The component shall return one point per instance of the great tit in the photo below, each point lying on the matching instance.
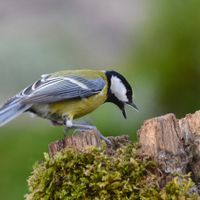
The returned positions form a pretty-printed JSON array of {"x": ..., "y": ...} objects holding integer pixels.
[{"x": 64, "y": 96}]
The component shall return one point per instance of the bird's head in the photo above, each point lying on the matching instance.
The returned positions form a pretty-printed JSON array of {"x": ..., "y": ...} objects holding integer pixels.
[{"x": 119, "y": 91}]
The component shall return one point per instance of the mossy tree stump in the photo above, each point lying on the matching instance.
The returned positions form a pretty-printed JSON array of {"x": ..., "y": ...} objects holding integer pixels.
[
  {"x": 75, "y": 170},
  {"x": 173, "y": 143},
  {"x": 84, "y": 139}
]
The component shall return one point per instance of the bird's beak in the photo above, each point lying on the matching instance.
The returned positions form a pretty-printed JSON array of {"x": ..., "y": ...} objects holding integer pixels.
[
  {"x": 124, "y": 112},
  {"x": 130, "y": 104}
]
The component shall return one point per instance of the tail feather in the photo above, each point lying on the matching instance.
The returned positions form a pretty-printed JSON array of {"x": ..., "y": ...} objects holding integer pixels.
[{"x": 12, "y": 110}]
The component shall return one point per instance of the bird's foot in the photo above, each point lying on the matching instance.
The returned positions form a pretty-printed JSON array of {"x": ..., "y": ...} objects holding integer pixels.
[
  {"x": 83, "y": 127},
  {"x": 105, "y": 139},
  {"x": 79, "y": 130},
  {"x": 101, "y": 136}
]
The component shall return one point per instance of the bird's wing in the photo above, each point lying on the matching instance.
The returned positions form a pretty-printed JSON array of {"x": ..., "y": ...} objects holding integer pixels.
[{"x": 57, "y": 89}]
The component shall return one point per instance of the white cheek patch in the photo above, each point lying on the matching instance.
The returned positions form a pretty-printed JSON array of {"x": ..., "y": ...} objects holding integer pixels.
[{"x": 118, "y": 89}]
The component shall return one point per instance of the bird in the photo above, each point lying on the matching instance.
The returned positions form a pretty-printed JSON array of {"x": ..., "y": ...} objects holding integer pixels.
[{"x": 64, "y": 96}]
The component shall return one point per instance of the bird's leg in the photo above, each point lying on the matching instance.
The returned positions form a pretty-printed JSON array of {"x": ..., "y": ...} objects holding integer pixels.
[
  {"x": 67, "y": 125},
  {"x": 83, "y": 127},
  {"x": 84, "y": 122},
  {"x": 105, "y": 139}
]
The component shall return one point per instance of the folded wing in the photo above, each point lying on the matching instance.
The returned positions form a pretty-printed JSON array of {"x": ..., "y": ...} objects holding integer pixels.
[{"x": 58, "y": 89}]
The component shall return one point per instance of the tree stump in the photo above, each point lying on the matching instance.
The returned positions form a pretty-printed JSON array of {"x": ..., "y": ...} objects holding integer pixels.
[
  {"x": 173, "y": 143},
  {"x": 84, "y": 139}
]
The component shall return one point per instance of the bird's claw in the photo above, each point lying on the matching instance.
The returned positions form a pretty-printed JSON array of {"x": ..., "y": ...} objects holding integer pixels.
[{"x": 80, "y": 130}]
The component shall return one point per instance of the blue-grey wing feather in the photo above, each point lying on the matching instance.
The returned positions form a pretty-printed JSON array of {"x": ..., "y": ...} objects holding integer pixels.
[{"x": 59, "y": 89}]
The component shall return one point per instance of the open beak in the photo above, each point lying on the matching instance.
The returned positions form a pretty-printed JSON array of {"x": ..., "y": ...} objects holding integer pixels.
[
  {"x": 133, "y": 105},
  {"x": 124, "y": 112},
  {"x": 130, "y": 104}
]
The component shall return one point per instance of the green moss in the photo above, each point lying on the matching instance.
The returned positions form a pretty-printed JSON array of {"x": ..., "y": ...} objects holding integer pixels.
[{"x": 91, "y": 174}]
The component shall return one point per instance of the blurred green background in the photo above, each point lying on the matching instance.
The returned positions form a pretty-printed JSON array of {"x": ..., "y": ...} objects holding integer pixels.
[{"x": 154, "y": 44}]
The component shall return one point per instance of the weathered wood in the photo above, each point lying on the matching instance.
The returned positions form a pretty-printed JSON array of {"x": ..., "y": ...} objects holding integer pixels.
[
  {"x": 190, "y": 130},
  {"x": 175, "y": 144},
  {"x": 84, "y": 139},
  {"x": 80, "y": 140}
]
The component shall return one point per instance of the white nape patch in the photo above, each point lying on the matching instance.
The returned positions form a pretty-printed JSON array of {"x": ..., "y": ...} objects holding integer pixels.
[
  {"x": 76, "y": 82},
  {"x": 118, "y": 89}
]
